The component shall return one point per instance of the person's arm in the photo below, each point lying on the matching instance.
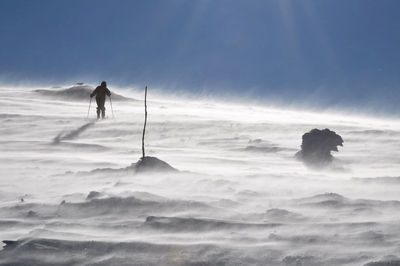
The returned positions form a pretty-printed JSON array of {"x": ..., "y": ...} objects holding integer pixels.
[
  {"x": 108, "y": 92},
  {"x": 93, "y": 93}
]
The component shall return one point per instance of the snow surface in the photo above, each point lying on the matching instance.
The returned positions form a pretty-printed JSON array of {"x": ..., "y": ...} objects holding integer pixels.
[{"x": 68, "y": 195}]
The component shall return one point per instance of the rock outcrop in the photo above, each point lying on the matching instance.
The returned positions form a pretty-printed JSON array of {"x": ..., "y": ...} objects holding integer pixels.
[{"x": 317, "y": 146}]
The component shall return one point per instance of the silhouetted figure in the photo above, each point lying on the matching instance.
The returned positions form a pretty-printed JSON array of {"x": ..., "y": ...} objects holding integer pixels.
[{"x": 101, "y": 92}]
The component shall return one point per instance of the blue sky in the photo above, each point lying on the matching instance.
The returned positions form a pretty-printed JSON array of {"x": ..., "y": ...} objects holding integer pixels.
[{"x": 335, "y": 52}]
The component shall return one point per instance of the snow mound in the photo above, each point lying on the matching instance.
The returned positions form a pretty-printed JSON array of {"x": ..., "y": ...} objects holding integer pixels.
[
  {"x": 198, "y": 224},
  {"x": 384, "y": 263},
  {"x": 77, "y": 93},
  {"x": 144, "y": 165},
  {"x": 282, "y": 215},
  {"x": 334, "y": 200},
  {"x": 152, "y": 164},
  {"x": 49, "y": 252}
]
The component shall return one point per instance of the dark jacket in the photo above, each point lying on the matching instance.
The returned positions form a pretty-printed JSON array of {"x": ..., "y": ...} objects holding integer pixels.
[{"x": 101, "y": 92}]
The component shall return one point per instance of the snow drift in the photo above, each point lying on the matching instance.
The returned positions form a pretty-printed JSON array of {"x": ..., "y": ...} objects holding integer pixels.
[
  {"x": 239, "y": 196},
  {"x": 76, "y": 93}
]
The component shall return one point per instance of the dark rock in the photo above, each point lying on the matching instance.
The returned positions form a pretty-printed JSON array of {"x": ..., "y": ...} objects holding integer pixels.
[
  {"x": 317, "y": 146},
  {"x": 93, "y": 194},
  {"x": 31, "y": 214},
  {"x": 384, "y": 263},
  {"x": 9, "y": 243},
  {"x": 300, "y": 261}
]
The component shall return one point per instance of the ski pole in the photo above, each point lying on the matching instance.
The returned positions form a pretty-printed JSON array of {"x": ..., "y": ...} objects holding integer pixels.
[
  {"x": 90, "y": 102},
  {"x": 112, "y": 110}
]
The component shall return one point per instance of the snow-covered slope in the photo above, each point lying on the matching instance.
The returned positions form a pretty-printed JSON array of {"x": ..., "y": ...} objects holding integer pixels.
[
  {"x": 69, "y": 196},
  {"x": 75, "y": 93}
]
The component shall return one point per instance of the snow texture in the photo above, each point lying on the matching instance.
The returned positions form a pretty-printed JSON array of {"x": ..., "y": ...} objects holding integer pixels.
[{"x": 220, "y": 186}]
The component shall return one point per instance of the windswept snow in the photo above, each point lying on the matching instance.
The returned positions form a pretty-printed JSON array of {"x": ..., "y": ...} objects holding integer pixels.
[{"x": 69, "y": 194}]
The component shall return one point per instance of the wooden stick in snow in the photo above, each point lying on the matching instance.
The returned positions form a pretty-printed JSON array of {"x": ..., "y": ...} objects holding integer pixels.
[{"x": 145, "y": 120}]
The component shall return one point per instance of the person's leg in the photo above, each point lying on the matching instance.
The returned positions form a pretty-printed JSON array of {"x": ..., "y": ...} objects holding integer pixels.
[
  {"x": 98, "y": 101},
  {"x": 102, "y": 108}
]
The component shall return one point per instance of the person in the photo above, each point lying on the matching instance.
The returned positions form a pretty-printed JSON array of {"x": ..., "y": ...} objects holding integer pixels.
[{"x": 101, "y": 92}]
